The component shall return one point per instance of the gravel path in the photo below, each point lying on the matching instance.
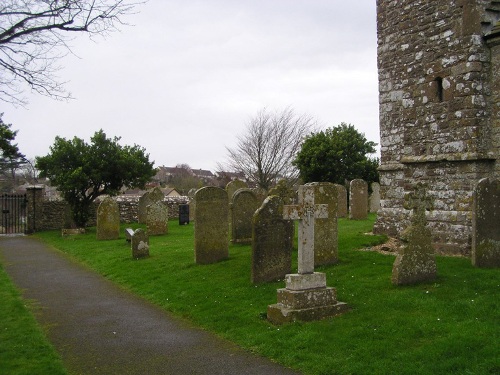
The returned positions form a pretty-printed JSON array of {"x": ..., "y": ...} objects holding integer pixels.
[{"x": 100, "y": 329}]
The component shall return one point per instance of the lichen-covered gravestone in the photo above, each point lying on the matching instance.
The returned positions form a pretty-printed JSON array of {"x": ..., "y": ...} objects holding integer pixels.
[
  {"x": 149, "y": 197},
  {"x": 486, "y": 224},
  {"x": 142, "y": 207},
  {"x": 243, "y": 206},
  {"x": 140, "y": 244},
  {"x": 341, "y": 201},
  {"x": 272, "y": 242},
  {"x": 416, "y": 261},
  {"x": 306, "y": 296},
  {"x": 358, "y": 200},
  {"x": 233, "y": 186},
  {"x": 325, "y": 231},
  {"x": 108, "y": 220},
  {"x": 157, "y": 219},
  {"x": 374, "y": 199},
  {"x": 211, "y": 229},
  {"x": 284, "y": 191}
]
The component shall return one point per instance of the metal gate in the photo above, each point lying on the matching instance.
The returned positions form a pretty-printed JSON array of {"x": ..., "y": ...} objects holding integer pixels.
[{"x": 13, "y": 215}]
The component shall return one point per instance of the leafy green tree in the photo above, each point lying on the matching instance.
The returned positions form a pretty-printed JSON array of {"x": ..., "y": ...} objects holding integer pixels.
[
  {"x": 82, "y": 172},
  {"x": 336, "y": 155},
  {"x": 10, "y": 157}
]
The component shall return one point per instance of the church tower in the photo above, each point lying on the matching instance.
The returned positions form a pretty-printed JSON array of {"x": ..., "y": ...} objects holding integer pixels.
[{"x": 439, "y": 105}]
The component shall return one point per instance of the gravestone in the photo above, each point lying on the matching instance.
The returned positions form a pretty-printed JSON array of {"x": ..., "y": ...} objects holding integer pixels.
[
  {"x": 157, "y": 219},
  {"x": 233, "y": 186},
  {"x": 284, "y": 191},
  {"x": 325, "y": 231},
  {"x": 342, "y": 201},
  {"x": 149, "y": 197},
  {"x": 142, "y": 213},
  {"x": 272, "y": 242},
  {"x": 374, "y": 200},
  {"x": 140, "y": 244},
  {"x": 358, "y": 200},
  {"x": 486, "y": 224},
  {"x": 108, "y": 220},
  {"x": 306, "y": 296},
  {"x": 183, "y": 214},
  {"x": 243, "y": 207},
  {"x": 415, "y": 261},
  {"x": 261, "y": 194},
  {"x": 211, "y": 229}
]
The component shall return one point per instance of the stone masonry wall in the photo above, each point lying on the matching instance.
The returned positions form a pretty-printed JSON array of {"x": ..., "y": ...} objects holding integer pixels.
[
  {"x": 437, "y": 106},
  {"x": 52, "y": 215}
]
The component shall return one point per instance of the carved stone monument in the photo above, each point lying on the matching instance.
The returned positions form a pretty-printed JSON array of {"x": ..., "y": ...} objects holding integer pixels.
[
  {"x": 416, "y": 261},
  {"x": 342, "y": 201},
  {"x": 306, "y": 296},
  {"x": 358, "y": 200},
  {"x": 243, "y": 206},
  {"x": 140, "y": 244},
  {"x": 272, "y": 242},
  {"x": 157, "y": 219},
  {"x": 108, "y": 220},
  {"x": 211, "y": 229},
  {"x": 325, "y": 231}
]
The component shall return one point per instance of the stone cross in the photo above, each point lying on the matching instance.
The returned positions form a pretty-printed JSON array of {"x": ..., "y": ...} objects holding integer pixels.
[
  {"x": 306, "y": 212},
  {"x": 419, "y": 202}
]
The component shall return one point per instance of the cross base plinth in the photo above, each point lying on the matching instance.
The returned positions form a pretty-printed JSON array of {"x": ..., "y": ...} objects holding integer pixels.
[{"x": 305, "y": 304}]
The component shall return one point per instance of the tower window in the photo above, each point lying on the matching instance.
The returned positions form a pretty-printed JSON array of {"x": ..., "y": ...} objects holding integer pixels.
[{"x": 439, "y": 88}]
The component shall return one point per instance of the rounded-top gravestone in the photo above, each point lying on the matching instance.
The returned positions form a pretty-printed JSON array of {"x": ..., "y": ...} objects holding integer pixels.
[{"x": 211, "y": 230}]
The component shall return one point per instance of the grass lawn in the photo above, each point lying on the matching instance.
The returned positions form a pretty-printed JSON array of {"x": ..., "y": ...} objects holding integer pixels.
[
  {"x": 24, "y": 350},
  {"x": 450, "y": 326}
]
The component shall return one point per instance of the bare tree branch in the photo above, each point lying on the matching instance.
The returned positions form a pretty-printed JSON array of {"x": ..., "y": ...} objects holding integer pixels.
[
  {"x": 271, "y": 141},
  {"x": 34, "y": 36}
]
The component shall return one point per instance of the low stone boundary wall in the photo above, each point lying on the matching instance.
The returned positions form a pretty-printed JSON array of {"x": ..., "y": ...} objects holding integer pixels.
[{"x": 51, "y": 213}]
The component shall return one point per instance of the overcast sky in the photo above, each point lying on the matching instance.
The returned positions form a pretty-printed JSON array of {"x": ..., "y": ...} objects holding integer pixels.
[{"x": 184, "y": 80}]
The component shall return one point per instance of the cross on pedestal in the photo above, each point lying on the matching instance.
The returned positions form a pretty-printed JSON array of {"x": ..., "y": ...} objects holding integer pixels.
[{"x": 306, "y": 212}]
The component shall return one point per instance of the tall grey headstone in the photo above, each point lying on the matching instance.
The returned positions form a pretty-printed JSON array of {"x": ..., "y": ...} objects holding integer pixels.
[
  {"x": 149, "y": 197},
  {"x": 108, "y": 220},
  {"x": 306, "y": 296},
  {"x": 374, "y": 200},
  {"x": 342, "y": 200},
  {"x": 243, "y": 207},
  {"x": 157, "y": 219},
  {"x": 358, "y": 200},
  {"x": 211, "y": 229},
  {"x": 272, "y": 242},
  {"x": 142, "y": 208},
  {"x": 486, "y": 224},
  {"x": 325, "y": 231}
]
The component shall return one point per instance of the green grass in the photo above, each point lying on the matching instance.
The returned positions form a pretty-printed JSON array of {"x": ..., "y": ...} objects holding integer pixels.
[
  {"x": 450, "y": 326},
  {"x": 24, "y": 350}
]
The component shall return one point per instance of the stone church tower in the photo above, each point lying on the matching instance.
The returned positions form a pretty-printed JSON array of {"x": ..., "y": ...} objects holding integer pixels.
[{"x": 439, "y": 84}]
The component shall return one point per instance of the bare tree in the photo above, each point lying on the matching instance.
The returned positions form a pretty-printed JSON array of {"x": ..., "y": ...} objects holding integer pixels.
[
  {"x": 34, "y": 35},
  {"x": 271, "y": 141}
]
